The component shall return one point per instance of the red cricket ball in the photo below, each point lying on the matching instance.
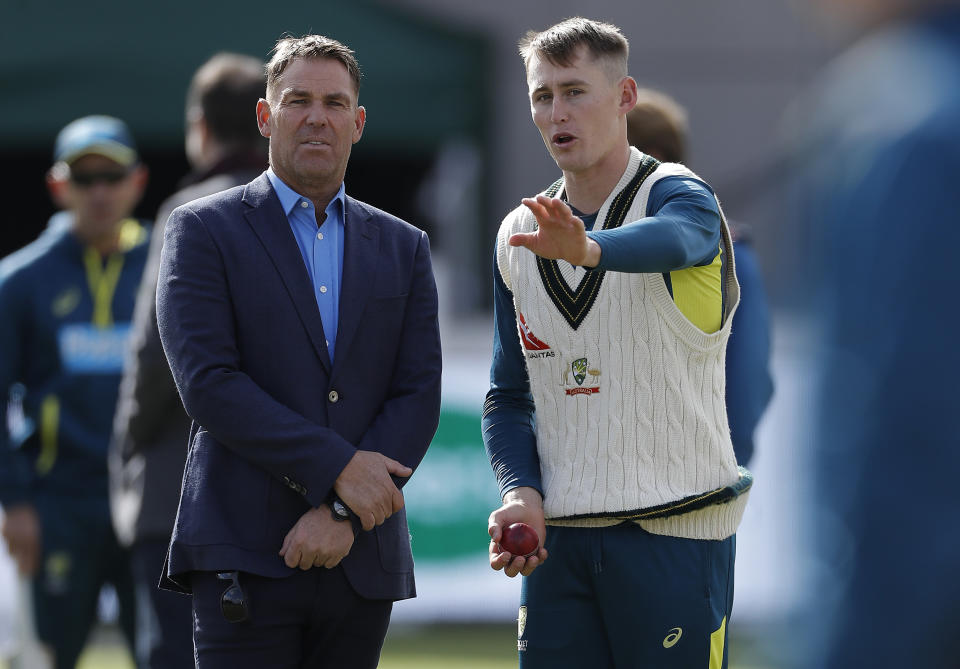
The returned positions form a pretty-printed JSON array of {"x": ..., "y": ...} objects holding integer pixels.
[{"x": 520, "y": 539}]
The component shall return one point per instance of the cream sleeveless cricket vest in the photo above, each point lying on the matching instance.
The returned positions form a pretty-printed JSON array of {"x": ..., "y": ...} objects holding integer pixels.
[{"x": 629, "y": 394}]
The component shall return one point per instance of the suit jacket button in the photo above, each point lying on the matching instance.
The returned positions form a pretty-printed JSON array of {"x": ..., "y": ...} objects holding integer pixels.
[{"x": 333, "y": 396}]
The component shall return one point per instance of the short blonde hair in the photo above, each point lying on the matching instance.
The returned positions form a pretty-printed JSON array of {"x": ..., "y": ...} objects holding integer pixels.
[{"x": 560, "y": 43}]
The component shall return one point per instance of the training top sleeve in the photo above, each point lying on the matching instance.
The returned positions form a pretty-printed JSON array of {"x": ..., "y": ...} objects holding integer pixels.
[
  {"x": 507, "y": 423},
  {"x": 14, "y": 473},
  {"x": 682, "y": 230}
]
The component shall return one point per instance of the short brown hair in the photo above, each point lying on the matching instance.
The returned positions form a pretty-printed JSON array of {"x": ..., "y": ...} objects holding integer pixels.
[
  {"x": 559, "y": 43},
  {"x": 225, "y": 91},
  {"x": 289, "y": 49},
  {"x": 657, "y": 125}
]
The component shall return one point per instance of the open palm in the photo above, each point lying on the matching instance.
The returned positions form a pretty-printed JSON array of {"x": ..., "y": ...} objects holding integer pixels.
[{"x": 559, "y": 236}]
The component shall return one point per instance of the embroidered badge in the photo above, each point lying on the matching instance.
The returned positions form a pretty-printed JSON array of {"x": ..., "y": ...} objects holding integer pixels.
[{"x": 580, "y": 368}]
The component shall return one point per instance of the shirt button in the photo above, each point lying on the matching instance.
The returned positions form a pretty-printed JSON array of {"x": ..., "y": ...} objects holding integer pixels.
[
  {"x": 323, "y": 289},
  {"x": 333, "y": 396},
  {"x": 304, "y": 204},
  {"x": 319, "y": 235}
]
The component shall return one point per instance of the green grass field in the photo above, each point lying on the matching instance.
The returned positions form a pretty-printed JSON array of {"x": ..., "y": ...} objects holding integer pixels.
[
  {"x": 406, "y": 647},
  {"x": 477, "y": 646}
]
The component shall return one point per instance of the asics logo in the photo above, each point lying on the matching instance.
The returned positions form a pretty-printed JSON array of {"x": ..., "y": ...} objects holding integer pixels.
[{"x": 673, "y": 637}]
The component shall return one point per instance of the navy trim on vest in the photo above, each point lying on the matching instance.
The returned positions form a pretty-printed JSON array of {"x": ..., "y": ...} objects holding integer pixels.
[
  {"x": 576, "y": 304},
  {"x": 721, "y": 495}
]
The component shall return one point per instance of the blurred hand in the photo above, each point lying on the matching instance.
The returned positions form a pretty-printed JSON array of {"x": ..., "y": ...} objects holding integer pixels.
[
  {"x": 520, "y": 505},
  {"x": 366, "y": 488},
  {"x": 21, "y": 531},
  {"x": 317, "y": 540},
  {"x": 560, "y": 234}
]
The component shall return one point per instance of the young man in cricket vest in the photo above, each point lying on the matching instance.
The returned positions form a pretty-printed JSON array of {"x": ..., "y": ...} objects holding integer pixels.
[{"x": 605, "y": 422}]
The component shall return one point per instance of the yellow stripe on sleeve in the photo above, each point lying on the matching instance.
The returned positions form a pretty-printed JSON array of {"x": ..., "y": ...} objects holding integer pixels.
[{"x": 49, "y": 426}]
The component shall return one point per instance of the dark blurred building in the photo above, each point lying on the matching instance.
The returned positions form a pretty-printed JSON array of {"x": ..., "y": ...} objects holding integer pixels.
[{"x": 424, "y": 87}]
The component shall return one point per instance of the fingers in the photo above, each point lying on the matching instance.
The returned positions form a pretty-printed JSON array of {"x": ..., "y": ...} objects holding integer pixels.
[
  {"x": 397, "y": 499},
  {"x": 525, "y": 239},
  {"x": 533, "y": 562},
  {"x": 397, "y": 468},
  {"x": 367, "y": 520},
  {"x": 547, "y": 208},
  {"x": 331, "y": 561},
  {"x": 494, "y": 530},
  {"x": 513, "y": 565},
  {"x": 498, "y": 559},
  {"x": 292, "y": 557}
]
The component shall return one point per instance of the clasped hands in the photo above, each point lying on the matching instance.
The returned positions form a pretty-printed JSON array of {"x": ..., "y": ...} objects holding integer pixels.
[
  {"x": 559, "y": 236},
  {"x": 366, "y": 487}
]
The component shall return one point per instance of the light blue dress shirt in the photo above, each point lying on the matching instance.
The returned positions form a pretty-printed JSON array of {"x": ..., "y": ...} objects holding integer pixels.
[{"x": 321, "y": 248}]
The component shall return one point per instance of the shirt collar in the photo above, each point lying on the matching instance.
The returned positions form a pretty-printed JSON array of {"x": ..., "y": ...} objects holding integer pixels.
[{"x": 289, "y": 197}]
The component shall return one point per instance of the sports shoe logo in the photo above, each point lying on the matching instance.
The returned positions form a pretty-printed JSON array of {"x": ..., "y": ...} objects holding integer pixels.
[
  {"x": 673, "y": 637},
  {"x": 530, "y": 341}
]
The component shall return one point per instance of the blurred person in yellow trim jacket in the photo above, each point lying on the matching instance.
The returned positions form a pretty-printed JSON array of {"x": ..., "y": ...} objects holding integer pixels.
[{"x": 66, "y": 301}]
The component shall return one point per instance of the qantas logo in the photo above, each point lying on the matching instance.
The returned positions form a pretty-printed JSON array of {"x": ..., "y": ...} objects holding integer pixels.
[{"x": 530, "y": 341}]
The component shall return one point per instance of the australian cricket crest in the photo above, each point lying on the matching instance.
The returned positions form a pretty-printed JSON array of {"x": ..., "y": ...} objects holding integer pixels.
[{"x": 580, "y": 369}]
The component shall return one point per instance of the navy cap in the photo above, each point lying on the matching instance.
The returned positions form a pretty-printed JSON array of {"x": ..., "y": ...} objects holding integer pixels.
[{"x": 102, "y": 135}]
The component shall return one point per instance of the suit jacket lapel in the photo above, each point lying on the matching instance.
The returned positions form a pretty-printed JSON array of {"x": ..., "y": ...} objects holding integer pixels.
[
  {"x": 269, "y": 223},
  {"x": 360, "y": 246}
]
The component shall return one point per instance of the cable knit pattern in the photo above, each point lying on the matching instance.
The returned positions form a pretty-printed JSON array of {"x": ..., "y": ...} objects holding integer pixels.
[{"x": 630, "y": 410}]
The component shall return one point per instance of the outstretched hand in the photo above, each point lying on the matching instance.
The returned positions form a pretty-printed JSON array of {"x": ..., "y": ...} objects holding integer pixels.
[{"x": 559, "y": 236}]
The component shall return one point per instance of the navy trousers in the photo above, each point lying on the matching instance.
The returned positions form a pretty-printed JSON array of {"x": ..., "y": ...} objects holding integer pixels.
[
  {"x": 80, "y": 554},
  {"x": 310, "y": 620},
  {"x": 622, "y": 597},
  {"x": 164, "y": 618}
]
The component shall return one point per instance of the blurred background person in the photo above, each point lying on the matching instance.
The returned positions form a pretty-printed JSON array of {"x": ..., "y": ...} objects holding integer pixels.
[
  {"x": 658, "y": 126},
  {"x": 65, "y": 305},
  {"x": 225, "y": 149},
  {"x": 877, "y": 164}
]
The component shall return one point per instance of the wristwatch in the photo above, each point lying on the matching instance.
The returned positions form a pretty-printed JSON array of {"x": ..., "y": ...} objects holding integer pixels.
[{"x": 339, "y": 510}]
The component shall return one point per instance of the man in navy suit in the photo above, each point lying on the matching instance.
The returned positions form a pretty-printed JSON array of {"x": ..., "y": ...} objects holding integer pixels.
[{"x": 301, "y": 329}]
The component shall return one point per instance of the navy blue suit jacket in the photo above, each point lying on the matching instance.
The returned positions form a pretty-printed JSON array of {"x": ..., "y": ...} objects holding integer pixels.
[{"x": 274, "y": 422}]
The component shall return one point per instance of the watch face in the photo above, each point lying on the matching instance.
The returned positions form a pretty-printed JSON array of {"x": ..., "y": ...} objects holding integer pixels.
[{"x": 340, "y": 510}]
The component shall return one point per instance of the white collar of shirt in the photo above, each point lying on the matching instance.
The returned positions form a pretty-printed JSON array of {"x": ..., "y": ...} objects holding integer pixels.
[{"x": 289, "y": 197}]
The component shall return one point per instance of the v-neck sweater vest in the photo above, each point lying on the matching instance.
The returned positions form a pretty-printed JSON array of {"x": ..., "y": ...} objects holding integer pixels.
[{"x": 629, "y": 394}]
